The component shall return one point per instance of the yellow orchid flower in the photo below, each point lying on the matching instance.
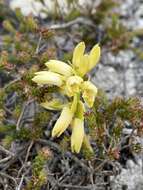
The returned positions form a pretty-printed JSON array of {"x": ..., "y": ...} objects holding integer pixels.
[
  {"x": 73, "y": 85},
  {"x": 77, "y": 135},
  {"x": 54, "y": 104},
  {"x": 89, "y": 93},
  {"x": 94, "y": 56},
  {"x": 69, "y": 79},
  {"x": 48, "y": 77},
  {"x": 63, "y": 122},
  {"x": 77, "y": 54},
  {"x": 59, "y": 67},
  {"x": 65, "y": 118},
  {"x": 78, "y": 128},
  {"x": 83, "y": 63}
]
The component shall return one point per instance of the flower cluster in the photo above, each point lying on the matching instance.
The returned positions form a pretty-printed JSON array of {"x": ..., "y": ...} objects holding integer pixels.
[{"x": 70, "y": 80}]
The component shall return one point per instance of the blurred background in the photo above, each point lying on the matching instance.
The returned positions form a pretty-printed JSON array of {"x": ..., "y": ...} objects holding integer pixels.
[
  {"x": 117, "y": 25},
  {"x": 121, "y": 72}
]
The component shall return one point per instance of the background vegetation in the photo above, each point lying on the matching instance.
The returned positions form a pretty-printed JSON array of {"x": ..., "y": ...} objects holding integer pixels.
[{"x": 29, "y": 158}]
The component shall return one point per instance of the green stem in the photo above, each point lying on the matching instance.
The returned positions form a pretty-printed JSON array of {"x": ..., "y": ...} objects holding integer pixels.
[{"x": 76, "y": 99}]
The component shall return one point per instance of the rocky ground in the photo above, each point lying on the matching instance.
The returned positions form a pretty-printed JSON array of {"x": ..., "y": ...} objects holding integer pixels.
[{"x": 120, "y": 74}]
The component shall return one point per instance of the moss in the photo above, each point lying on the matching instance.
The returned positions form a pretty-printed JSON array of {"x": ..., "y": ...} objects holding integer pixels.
[
  {"x": 8, "y": 26},
  {"x": 39, "y": 175},
  {"x": 6, "y": 142},
  {"x": 107, "y": 119},
  {"x": 38, "y": 164},
  {"x": 17, "y": 111},
  {"x": 65, "y": 144},
  {"x": 2, "y": 97}
]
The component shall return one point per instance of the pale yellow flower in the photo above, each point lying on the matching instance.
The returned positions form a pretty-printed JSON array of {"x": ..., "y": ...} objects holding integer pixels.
[
  {"x": 94, "y": 56},
  {"x": 69, "y": 79},
  {"x": 78, "y": 54},
  {"x": 73, "y": 85},
  {"x": 54, "y": 104},
  {"x": 48, "y": 77},
  {"x": 89, "y": 93},
  {"x": 59, "y": 67},
  {"x": 77, "y": 135},
  {"x": 83, "y": 63},
  {"x": 63, "y": 122}
]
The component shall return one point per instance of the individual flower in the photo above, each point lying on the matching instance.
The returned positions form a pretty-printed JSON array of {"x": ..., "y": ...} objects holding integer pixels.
[
  {"x": 83, "y": 63},
  {"x": 63, "y": 122},
  {"x": 78, "y": 54},
  {"x": 78, "y": 128},
  {"x": 48, "y": 77},
  {"x": 89, "y": 93},
  {"x": 59, "y": 67},
  {"x": 94, "y": 57},
  {"x": 77, "y": 135},
  {"x": 54, "y": 104}
]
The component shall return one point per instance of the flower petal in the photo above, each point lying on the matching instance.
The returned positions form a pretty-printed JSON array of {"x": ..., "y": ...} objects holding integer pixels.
[
  {"x": 89, "y": 93},
  {"x": 59, "y": 67},
  {"x": 94, "y": 56},
  {"x": 83, "y": 65},
  {"x": 47, "y": 77},
  {"x": 63, "y": 122},
  {"x": 77, "y": 54},
  {"x": 54, "y": 104},
  {"x": 77, "y": 135}
]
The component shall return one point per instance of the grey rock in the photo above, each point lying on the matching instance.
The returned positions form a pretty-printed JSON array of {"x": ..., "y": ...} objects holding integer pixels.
[
  {"x": 116, "y": 74},
  {"x": 131, "y": 177},
  {"x": 108, "y": 79}
]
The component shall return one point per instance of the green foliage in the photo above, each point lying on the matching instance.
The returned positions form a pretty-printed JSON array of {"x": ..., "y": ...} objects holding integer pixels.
[
  {"x": 37, "y": 181},
  {"x": 65, "y": 143},
  {"x": 2, "y": 97},
  {"x": 107, "y": 120},
  {"x": 104, "y": 10},
  {"x": 39, "y": 175},
  {"x": 31, "y": 133}
]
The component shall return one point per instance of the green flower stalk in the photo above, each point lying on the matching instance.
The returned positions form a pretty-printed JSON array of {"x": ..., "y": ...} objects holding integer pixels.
[{"x": 70, "y": 80}]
